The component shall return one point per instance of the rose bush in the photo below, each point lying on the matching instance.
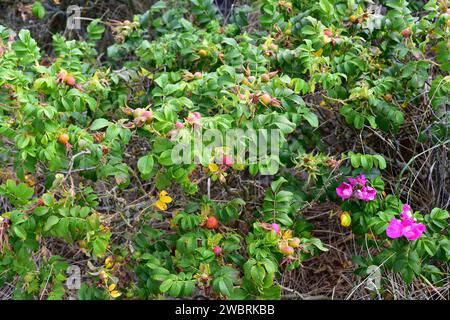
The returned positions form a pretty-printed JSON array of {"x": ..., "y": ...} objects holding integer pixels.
[{"x": 87, "y": 147}]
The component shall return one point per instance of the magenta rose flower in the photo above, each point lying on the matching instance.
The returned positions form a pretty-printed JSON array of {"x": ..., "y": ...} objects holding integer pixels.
[
  {"x": 194, "y": 118},
  {"x": 276, "y": 228},
  {"x": 179, "y": 125},
  {"x": 413, "y": 231},
  {"x": 344, "y": 191},
  {"x": 394, "y": 229},
  {"x": 407, "y": 226},
  {"x": 361, "y": 180},
  {"x": 366, "y": 194}
]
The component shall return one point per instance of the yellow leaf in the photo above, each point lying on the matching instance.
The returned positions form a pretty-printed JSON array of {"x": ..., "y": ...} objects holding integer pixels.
[
  {"x": 115, "y": 294},
  {"x": 111, "y": 287},
  {"x": 161, "y": 205},
  {"x": 163, "y": 193},
  {"x": 109, "y": 262},
  {"x": 164, "y": 197},
  {"x": 318, "y": 53},
  {"x": 287, "y": 234},
  {"x": 213, "y": 167}
]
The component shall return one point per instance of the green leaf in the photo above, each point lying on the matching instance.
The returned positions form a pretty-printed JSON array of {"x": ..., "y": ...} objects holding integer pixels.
[
  {"x": 165, "y": 286},
  {"x": 95, "y": 30},
  {"x": 145, "y": 164},
  {"x": 355, "y": 160},
  {"x": 381, "y": 161},
  {"x": 51, "y": 221},
  {"x": 99, "y": 124},
  {"x": 276, "y": 185},
  {"x": 40, "y": 211},
  {"x": 99, "y": 246},
  {"x": 38, "y": 10},
  {"x": 358, "y": 122},
  {"x": 223, "y": 287},
  {"x": 175, "y": 289},
  {"x": 366, "y": 162},
  {"x": 312, "y": 119},
  {"x": 166, "y": 158},
  {"x": 439, "y": 214},
  {"x": 20, "y": 232},
  {"x": 326, "y": 7}
]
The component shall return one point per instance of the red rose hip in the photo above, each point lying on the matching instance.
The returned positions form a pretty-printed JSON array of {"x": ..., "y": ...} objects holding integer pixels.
[{"x": 212, "y": 223}]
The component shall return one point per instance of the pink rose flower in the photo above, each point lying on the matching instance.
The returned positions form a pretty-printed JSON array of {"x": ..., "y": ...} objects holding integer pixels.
[
  {"x": 366, "y": 194},
  {"x": 406, "y": 214},
  {"x": 217, "y": 251},
  {"x": 179, "y": 125},
  {"x": 173, "y": 133},
  {"x": 276, "y": 228},
  {"x": 394, "y": 229},
  {"x": 194, "y": 118},
  {"x": 197, "y": 115},
  {"x": 406, "y": 227},
  {"x": 361, "y": 180},
  {"x": 228, "y": 161},
  {"x": 344, "y": 191},
  {"x": 413, "y": 231},
  {"x": 406, "y": 208}
]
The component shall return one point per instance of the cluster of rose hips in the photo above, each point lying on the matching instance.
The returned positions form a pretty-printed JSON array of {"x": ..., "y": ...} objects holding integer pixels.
[
  {"x": 328, "y": 37},
  {"x": 267, "y": 100},
  {"x": 287, "y": 243},
  {"x": 212, "y": 223},
  {"x": 265, "y": 77},
  {"x": 204, "y": 53},
  {"x": 262, "y": 97},
  {"x": 287, "y": 246},
  {"x": 269, "y": 49},
  {"x": 141, "y": 116},
  {"x": 189, "y": 76},
  {"x": 193, "y": 119}
]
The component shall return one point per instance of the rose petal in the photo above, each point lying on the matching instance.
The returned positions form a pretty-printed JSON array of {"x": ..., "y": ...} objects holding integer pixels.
[{"x": 394, "y": 229}]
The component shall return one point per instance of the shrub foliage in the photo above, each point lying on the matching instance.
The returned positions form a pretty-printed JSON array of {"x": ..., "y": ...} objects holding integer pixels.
[{"x": 87, "y": 137}]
